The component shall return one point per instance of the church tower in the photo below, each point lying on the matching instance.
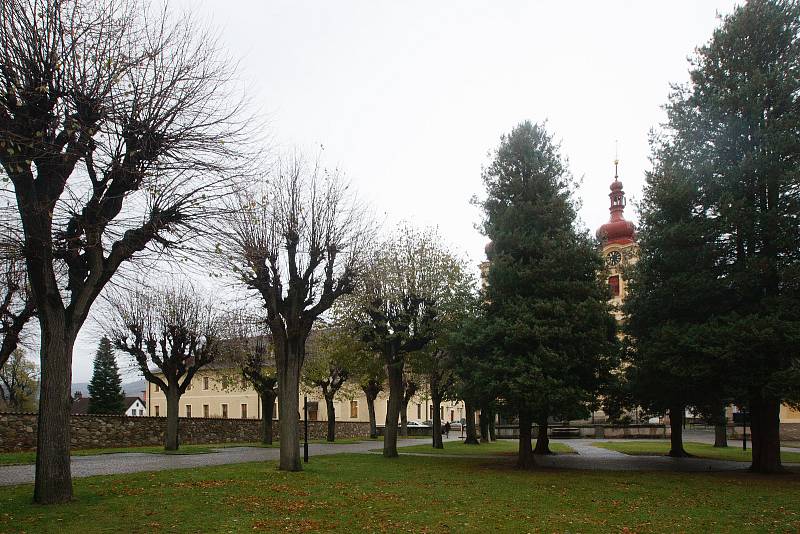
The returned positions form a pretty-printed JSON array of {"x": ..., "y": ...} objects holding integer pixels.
[{"x": 617, "y": 239}]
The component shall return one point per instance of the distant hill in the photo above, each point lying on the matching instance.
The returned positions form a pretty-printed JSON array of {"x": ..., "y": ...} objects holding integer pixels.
[
  {"x": 131, "y": 389},
  {"x": 135, "y": 388}
]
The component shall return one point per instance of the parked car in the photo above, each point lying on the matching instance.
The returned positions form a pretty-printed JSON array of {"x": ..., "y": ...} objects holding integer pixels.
[
  {"x": 455, "y": 425},
  {"x": 417, "y": 424}
]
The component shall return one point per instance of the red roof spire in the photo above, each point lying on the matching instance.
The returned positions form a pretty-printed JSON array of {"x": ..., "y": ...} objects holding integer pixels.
[{"x": 617, "y": 229}]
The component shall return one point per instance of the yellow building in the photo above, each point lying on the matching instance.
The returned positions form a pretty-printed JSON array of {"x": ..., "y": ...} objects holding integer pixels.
[{"x": 213, "y": 393}]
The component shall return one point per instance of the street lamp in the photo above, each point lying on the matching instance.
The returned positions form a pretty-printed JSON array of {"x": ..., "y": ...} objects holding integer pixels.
[{"x": 305, "y": 429}]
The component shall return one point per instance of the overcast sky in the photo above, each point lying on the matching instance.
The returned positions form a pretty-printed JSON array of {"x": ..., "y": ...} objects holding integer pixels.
[{"x": 408, "y": 97}]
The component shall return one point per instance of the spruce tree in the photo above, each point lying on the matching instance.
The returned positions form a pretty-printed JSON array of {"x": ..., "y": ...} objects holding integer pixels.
[
  {"x": 665, "y": 306},
  {"x": 547, "y": 334},
  {"x": 105, "y": 387},
  {"x": 734, "y": 130}
]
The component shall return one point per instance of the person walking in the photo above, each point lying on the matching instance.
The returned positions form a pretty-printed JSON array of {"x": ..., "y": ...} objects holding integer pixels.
[{"x": 447, "y": 429}]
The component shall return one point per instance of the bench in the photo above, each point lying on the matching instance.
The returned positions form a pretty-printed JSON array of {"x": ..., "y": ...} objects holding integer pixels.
[{"x": 565, "y": 432}]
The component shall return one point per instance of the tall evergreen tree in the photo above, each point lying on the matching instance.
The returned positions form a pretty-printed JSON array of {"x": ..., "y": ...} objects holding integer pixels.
[
  {"x": 666, "y": 312},
  {"x": 734, "y": 128},
  {"x": 105, "y": 388},
  {"x": 548, "y": 336}
]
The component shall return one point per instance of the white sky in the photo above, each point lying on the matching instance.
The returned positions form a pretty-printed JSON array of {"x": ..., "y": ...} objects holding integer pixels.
[{"x": 408, "y": 97}]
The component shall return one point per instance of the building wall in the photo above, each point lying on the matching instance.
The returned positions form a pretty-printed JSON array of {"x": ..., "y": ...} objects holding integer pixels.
[
  {"x": 207, "y": 390},
  {"x": 18, "y": 431},
  {"x": 789, "y": 415}
]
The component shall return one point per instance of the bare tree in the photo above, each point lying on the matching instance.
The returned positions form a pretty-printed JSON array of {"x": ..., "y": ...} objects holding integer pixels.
[
  {"x": 396, "y": 306},
  {"x": 410, "y": 388},
  {"x": 367, "y": 372},
  {"x": 299, "y": 242},
  {"x": 174, "y": 330},
  {"x": 333, "y": 353},
  {"x": 16, "y": 302},
  {"x": 19, "y": 380},
  {"x": 246, "y": 352},
  {"x": 118, "y": 135}
]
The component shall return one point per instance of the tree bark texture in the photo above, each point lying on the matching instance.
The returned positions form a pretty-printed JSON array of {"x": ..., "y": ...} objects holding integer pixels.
[
  {"x": 543, "y": 440},
  {"x": 394, "y": 374},
  {"x": 483, "y": 419},
  {"x": 53, "y": 475},
  {"x": 331, "y": 407},
  {"x": 403, "y": 417},
  {"x": 472, "y": 432},
  {"x": 289, "y": 406},
  {"x": 676, "y": 449},
  {"x": 525, "y": 458},
  {"x": 173, "y": 405},
  {"x": 373, "y": 426},
  {"x": 765, "y": 430},
  {"x": 267, "y": 403},
  {"x": 721, "y": 435},
  {"x": 437, "y": 423},
  {"x": 721, "y": 429}
]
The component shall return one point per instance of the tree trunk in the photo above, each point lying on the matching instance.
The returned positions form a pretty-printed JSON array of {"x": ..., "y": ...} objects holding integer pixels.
[
  {"x": 484, "y": 422},
  {"x": 765, "y": 431},
  {"x": 173, "y": 405},
  {"x": 721, "y": 429},
  {"x": 492, "y": 432},
  {"x": 53, "y": 475},
  {"x": 676, "y": 449},
  {"x": 721, "y": 435},
  {"x": 289, "y": 408},
  {"x": 373, "y": 427},
  {"x": 472, "y": 433},
  {"x": 437, "y": 422},
  {"x": 543, "y": 441},
  {"x": 403, "y": 417},
  {"x": 394, "y": 373},
  {"x": 267, "y": 404},
  {"x": 525, "y": 458},
  {"x": 329, "y": 405}
]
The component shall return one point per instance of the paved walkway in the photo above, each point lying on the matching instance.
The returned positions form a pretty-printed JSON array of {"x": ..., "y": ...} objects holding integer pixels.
[
  {"x": 588, "y": 457},
  {"x": 134, "y": 462}
]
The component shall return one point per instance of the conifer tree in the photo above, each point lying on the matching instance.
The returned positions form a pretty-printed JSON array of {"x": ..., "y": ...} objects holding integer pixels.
[
  {"x": 733, "y": 129},
  {"x": 666, "y": 312},
  {"x": 547, "y": 334},
  {"x": 105, "y": 388}
]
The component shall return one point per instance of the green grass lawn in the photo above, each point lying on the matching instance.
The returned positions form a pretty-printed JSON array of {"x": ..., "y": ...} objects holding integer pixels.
[
  {"x": 500, "y": 447},
  {"x": 368, "y": 493},
  {"x": 701, "y": 450}
]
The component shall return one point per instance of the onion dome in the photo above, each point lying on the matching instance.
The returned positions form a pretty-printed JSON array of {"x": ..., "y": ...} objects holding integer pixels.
[{"x": 617, "y": 230}]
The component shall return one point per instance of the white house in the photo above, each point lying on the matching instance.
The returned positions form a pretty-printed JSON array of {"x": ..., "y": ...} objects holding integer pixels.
[{"x": 135, "y": 407}]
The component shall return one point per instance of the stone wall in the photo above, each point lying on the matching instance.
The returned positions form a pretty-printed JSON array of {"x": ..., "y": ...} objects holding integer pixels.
[
  {"x": 595, "y": 431},
  {"x": 18, "y": 431},
  {"x": 789, "y": 432}
]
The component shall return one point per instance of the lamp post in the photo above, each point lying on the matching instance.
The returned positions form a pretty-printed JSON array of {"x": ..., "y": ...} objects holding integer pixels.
[
  {"x": 744, "y": 430},
  {"x": 305, "y": 429}
]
